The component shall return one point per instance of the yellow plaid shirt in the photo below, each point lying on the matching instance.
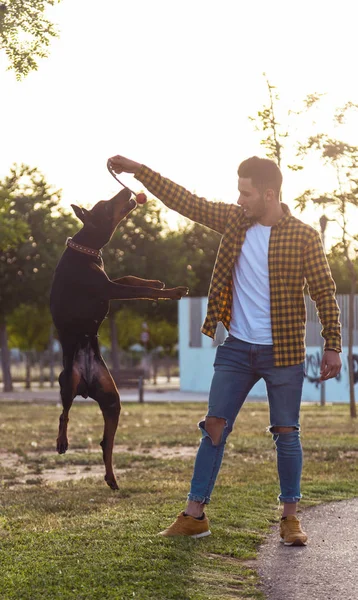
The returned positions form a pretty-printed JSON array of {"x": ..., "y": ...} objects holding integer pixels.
[{"x": 296, "y": 257}]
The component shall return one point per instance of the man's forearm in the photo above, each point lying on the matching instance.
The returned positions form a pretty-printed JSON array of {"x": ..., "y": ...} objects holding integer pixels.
[
  {"x": 328, "y": 314},
  {"x": 212, "y": 214},
  {"x": 322, "y": 290},
  {"x": 176, "y": 197}
]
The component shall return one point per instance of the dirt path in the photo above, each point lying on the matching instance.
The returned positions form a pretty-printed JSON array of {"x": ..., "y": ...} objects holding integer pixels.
[{"x": 28, "y": 470}]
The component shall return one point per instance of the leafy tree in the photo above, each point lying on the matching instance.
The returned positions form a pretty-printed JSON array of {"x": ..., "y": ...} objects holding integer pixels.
[
  {"x": 26, "y": 269},
  {"x": 128, "y": 329},
  {"x": 339, "y": 268},
  {"x": 342, "y": 158},
  {"x": 273, "y": 133},
  {"x": 274, "y": 136},
  {"x": 266, "y": 123},
  {"x": 29, "y": 329},
  {"x": 25, "y": 33},
  {"x": 197, "y": 248},
  {"x": 143, "y": 246},
  {"x": 133, "y": 250},
  {"x": 13, "y": 229}
]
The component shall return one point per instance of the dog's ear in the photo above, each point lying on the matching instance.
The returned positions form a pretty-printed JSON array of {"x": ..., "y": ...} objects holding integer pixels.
[
  {"x": 78, "y": 212},
  {"x": 82, "y": 213}
]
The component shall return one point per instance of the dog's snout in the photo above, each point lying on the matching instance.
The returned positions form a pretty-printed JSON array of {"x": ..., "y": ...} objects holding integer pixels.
[
  {"x": 128, "y": 192},
  {"x": 122, "y": 196}
]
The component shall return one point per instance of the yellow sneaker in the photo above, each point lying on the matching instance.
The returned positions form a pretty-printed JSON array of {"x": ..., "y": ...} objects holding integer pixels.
[
  {"x": 291, "y": 532},
  {"x": 187, "y": 525}
]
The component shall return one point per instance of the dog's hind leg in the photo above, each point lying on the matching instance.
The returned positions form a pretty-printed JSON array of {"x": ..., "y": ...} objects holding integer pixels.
[
  {"x": 110, "y": 410},
  {"x": 104, "y": 391},
  {"x": 68, "y": 382}
]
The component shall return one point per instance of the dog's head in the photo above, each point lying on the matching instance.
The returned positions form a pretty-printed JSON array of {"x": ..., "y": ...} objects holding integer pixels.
[{"x": 102, "y": 220}]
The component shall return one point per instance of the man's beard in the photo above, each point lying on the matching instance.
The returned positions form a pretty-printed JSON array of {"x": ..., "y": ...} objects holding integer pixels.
[{"x": 260, "y": 208}]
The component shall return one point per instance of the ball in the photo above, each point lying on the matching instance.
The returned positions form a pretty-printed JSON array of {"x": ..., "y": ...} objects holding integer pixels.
[{"x": 141, "y": 198}]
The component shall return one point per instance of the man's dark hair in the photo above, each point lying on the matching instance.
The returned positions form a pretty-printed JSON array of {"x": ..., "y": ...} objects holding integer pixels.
[{"x": 263, "y": 172}]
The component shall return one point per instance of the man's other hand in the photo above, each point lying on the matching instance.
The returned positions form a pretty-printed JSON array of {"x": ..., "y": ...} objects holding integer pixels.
[
  {"x": 331, "y": 365},
  {"x": 120, "y": 164}
]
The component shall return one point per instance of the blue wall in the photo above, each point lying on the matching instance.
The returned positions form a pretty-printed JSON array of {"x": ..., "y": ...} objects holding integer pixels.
[{"x": 196, "y": 364}]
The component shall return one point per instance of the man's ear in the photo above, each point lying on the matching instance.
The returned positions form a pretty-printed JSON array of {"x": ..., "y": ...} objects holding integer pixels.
[
  {"x": 82, "y": 213},
  {"x": 269, "y": 194}
]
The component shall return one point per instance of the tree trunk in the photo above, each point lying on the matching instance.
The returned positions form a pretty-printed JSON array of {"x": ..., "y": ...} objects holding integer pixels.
[
  {"x": 52, "y": 358},
  {"x": 352, "y": 402},
  {"x": 5, "y": 359},
  {"x": 41, "y": 370},
  {"x": 114, "y": 347},
  {"x": 28, "y": 371},
  {"x": 167, "y": 367},
  {"x": 155, "y": 365}
]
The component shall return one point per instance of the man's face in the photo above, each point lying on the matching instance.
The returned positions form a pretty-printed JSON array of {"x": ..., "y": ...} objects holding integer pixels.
[{"x": 251, "y": 199}]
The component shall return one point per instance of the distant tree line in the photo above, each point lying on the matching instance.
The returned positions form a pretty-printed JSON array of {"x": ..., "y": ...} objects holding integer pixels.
[{"x": 33, "y": 229}]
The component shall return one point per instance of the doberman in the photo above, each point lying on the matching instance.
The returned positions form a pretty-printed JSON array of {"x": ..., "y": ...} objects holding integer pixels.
[{"x": 80, "y": 296}]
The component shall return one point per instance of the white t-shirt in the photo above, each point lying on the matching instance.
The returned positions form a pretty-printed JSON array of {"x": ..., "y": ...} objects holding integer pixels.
[{"x": 251, "y": 307}]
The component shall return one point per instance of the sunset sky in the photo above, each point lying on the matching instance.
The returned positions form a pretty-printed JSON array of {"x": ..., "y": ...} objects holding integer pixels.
[{"x": 171, "y": 84}]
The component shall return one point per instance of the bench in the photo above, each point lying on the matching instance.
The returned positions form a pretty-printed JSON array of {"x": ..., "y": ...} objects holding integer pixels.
[{"x": 132, "y": 378}]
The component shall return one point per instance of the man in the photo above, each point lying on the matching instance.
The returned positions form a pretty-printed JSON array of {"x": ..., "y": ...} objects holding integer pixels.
[{"x": 265, "y": 258}]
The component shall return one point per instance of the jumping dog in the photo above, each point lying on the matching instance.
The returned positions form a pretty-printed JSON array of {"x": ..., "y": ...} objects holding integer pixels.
[{"x": 80, "y": 296}]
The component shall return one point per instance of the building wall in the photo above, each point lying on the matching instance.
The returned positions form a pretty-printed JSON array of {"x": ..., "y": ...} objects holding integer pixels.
[{"x": 197, "y": 352}]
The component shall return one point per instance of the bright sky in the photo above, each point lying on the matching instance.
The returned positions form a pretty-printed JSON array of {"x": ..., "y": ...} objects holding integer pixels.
[{"x": 171, "y": 84}]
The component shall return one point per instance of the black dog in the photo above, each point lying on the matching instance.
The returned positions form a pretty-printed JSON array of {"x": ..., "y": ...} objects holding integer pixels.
[{"x": 79, "y": 302}]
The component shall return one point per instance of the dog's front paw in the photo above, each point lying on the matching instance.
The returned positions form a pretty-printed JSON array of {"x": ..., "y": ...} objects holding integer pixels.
[
  {"x": 179, "y": 292},
  {"x": 158, "y": 285}
]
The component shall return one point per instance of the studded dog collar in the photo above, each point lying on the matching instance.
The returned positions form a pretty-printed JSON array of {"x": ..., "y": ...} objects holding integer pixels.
[{"x": 83, "y": 249}]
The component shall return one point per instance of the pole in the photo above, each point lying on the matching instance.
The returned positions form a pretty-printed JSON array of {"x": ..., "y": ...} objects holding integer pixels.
[{"x": 323, "y": 224}]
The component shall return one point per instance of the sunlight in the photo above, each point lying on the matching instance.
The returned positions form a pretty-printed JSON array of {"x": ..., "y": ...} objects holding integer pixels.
[{"x": 172, "y": 85}]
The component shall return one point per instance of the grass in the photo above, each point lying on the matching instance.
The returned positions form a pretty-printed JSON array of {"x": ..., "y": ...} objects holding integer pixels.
[{"x": 76, "y": 539}]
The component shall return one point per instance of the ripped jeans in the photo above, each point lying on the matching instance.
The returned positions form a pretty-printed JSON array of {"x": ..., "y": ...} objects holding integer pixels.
[{"x": 238, "y": 366}]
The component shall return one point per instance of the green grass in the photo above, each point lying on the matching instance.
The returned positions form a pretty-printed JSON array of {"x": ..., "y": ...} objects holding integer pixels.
[{"x": 78, "y": 540}]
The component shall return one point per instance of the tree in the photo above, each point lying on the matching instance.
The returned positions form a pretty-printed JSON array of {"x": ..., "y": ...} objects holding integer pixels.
[
  {"x": 272, "y": 132},
  {"x": 128, "y": 327},
  {"x": 145, "y": 247},
  {"x": 13, "y": 229},
  {"x": 342, "y": 158},
  {"x": 25, "y": 33},
  {"x": 26, "y": 268},
  {"x": 128, "y": 332},
  {"x": 266, "y": 122},
  {"x": 133, "y": 250},
  {"x": 339, "y": 268},
  {"x": 29, "y": 330}
]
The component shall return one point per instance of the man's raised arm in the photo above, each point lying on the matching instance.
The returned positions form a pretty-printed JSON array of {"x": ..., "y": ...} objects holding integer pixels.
[{"x": 211, "y": 214}]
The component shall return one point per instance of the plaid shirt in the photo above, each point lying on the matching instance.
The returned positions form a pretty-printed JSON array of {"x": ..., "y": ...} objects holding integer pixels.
[{"x": 296, "y": 257}]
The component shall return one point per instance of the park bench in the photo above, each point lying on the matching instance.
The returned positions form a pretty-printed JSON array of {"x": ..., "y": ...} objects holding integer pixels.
[{"x": 132, "y": 378}]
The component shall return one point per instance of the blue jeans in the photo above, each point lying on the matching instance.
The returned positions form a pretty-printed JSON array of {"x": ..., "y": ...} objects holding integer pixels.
[{"x": 238, "y": 366}]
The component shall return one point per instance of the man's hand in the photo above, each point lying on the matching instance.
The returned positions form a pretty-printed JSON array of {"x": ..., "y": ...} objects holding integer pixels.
[
  {"x": 120, "y": 164},
  {"x": 331, "y": 365}
]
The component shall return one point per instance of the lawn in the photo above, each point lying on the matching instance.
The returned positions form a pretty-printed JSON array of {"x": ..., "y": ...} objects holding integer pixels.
[{"x": 65, "y": 535}]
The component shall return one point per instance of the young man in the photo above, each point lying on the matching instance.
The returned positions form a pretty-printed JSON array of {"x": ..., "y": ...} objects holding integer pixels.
[{"x": 265, "y": 258}]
